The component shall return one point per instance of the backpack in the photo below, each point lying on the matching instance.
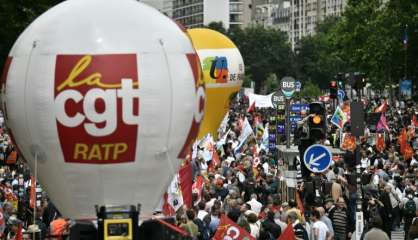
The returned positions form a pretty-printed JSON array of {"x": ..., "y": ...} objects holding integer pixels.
[{"x": 410, "y": 208}]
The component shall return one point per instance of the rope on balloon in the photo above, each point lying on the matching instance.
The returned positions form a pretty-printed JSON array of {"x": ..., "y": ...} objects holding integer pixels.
[{"x": 170, "y": 84}]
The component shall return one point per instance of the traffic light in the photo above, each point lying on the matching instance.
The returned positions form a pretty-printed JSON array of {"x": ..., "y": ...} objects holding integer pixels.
[
  {"x": 340, "y": 81},
  {"x": 317, "y": 123},
  {"x": 333, "y": 90}
]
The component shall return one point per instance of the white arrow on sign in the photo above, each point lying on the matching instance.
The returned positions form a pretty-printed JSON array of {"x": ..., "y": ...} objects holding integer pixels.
[{"x": 314, "y": 161}]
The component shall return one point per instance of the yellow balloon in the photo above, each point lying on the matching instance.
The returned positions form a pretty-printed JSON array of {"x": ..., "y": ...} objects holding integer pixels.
[{"x": 222, "y": 73}]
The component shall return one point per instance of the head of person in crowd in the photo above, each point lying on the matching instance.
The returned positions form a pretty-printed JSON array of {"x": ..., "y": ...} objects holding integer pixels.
[
  {"x": 340, "y": 203},
  {"x": 292, "y": 217}
]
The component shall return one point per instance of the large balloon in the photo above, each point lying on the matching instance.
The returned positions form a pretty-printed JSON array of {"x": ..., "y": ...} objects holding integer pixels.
[
  {"x": 223, "y": 72},
  {"x": 106, "y": 95}
]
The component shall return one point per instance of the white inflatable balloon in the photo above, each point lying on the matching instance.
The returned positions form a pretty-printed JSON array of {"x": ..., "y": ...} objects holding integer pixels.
[{"x": 106, "y": 95}]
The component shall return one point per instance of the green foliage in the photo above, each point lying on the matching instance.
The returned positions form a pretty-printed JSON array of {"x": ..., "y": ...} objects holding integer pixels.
[
  {"x": 272, "y": 83},
  {"x": 369, "y": 39},
  {"x": 317, "y": 59},
  {"x": 265, "y": 52},
  {"x": 310, "y": 90},
  {"x": 217, "y": 26},
  {"x": 15, "y": 16}
]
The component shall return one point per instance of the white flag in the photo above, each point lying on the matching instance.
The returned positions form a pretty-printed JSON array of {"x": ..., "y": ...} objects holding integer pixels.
[{"x": 174, "y": 195}]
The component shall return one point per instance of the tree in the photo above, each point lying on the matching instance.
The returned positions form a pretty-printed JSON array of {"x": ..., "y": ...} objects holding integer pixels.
[
  {"x": 15, "y": 16},
  {"x": 265, "y": 52},
  {"x": 370, "y": 36},
  {"x": 317, "y": 59},
  {"x": 217, "y": 26},
  {"x": 272, "y": 83},
  {"x": 310, "y": 90}
]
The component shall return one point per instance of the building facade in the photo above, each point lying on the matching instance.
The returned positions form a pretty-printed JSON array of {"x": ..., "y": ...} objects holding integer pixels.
[
  {"x": 306, "y": 14},
  {"x": 197, "y": 13}
]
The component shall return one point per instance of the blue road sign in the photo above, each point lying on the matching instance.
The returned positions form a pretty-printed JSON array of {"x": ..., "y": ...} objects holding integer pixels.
[
  {"x": 298, "y": 107},
  {"x": 341, "y": 95},
  {"x": 298, "y": 86},
  {"x": 317, "y": 158}
]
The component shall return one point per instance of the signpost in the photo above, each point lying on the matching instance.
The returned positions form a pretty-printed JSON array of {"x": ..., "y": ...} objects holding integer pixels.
[
  {"x": 357, "y": 129},
  {"x": 288, "y": 87},
  {"x": 341, "y": 95},
  {"x": 317, "y": 158},
  {"x": 298, "y": 86},
  {"x": 277, "y": 99}
]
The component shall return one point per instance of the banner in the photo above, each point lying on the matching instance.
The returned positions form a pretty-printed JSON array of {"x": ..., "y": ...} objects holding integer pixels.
[
  {"x": 261, "y": 101},
  {"x": 339, "y": 118},
  {"x": 228, "y": 229},
  {"x": 186, "y": 182},
  {"x": 245, "y": 133},
  {"x": 173, "y": 198}
]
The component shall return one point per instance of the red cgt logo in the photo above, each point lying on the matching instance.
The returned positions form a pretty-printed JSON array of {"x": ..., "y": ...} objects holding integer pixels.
[{"x": 97, "y": 107}]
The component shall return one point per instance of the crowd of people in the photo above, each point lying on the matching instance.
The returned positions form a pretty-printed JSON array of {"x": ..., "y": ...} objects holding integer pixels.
[
  {"x": 16, "y": 206},
  {"x": 246, "y": 184}
]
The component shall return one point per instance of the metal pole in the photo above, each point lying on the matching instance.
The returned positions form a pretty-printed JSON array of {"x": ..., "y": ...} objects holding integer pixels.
[
  {"x": 359, "y": 202},
  {"x": 288, "y": 125},
  {"x": 276, "y": 132}
]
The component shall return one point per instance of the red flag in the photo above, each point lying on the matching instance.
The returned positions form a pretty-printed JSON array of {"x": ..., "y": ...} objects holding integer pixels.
[
  {"x": 382, "y": 108},
  {"x": 19, "y": 234},
  {"x": 414, "y": 121},
  {"x": 349, "y": 142},
  {"x": 32, "y": 200},
  {"x": 409, "y": 152},
  {"x": 168, "y": 210},
  {"x": 382, "y": 124},
  {"x": 380, "y": 142},
  {"x": 228, "y": 229},
  {"x": 402, "y": 140},
  {"x": 251, "y": 107},
  {"x": 215, "y": 158},
  {"x": 299, "y": 203},
  {"x": 186, "y": 182},
  {"x": 197, "y": 187},
  {"x": 288, "y": 233}
]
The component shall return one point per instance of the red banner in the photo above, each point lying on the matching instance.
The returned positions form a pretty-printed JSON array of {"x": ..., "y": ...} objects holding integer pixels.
[
  {"x": 228, "y": 229},
  {"x": 186, "y": 182},
  {"x": 32, "y": 200},
  {"x": 288, "y": 233},
  {"x": 380, "y": 142}
]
